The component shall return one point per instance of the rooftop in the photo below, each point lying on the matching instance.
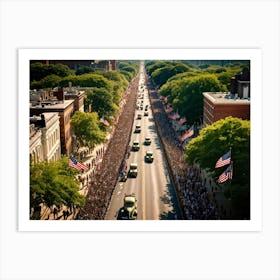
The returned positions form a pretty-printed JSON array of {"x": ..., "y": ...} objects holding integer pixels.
[
  {"x": 53, "y": 105},
  {"x": 225, "y": 98}
]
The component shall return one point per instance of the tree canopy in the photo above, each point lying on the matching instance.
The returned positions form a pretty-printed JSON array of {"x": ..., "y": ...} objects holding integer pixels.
[
  {"x": 87, "y": 129},
  {"x": 38, "y": 70},
  {"x": 217, "y": 139},
  {"x": 54, "y": 183},
  {"x": 101, "y": 101},
  {"x": 162, "y": 74},
  {"x": 186, "y": 94}
]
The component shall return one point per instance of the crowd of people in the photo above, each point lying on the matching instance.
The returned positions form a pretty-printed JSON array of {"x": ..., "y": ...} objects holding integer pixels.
[
  {"x": 190, "y": 186},
  {"x": 106, "y": 174}
]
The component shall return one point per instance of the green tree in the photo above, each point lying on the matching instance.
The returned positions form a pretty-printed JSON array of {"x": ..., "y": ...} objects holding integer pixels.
[
  {"x": 214, "y": 141},
  {"x": 49, "y": 82},
  {"x": 186, "y": 94},
  {"x": 38, "y": 70},
  {"x": 54, "y": 183},
  {"x": 87, "y": 80},
  {"x": 101, "y": 101},
  {"x": 162, "y": 74},
  {"x": 86, "y": 127}
]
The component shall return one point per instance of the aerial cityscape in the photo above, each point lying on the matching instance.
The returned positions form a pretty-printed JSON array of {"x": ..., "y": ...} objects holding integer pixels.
[{"x": 139, "y": 140}]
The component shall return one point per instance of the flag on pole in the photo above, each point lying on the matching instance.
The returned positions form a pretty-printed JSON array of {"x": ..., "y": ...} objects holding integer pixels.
[
  {"x": 187, "y": 134},
  {"x": 76, "y": 164},
  {"x": 224, "y": 160},
  {"x": 227, "y": 174}
]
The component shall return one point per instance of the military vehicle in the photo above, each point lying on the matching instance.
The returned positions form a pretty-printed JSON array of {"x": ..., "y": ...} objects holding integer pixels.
[{"x": 129, "y": 209}]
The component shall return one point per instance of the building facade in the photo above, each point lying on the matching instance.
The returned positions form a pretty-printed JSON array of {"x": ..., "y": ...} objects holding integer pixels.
[
  {"x": 65, "y": 110},
  {"x": 236, "y": 103},
  {"x": 44, "y": 139},
  {"x": 220, "y": 105}
]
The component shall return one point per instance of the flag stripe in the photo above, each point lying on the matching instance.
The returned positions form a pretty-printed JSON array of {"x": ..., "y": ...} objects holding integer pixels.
[
  {"x": 76, "y": 164},
  {"x": 227, "y": 174},
  {"x": 223, "y": 160}
]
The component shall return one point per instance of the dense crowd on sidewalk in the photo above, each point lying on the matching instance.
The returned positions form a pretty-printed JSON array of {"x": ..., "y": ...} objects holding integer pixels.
[
  {"x": 105, "y": 177},
  {"x": 190, "y": 186}
]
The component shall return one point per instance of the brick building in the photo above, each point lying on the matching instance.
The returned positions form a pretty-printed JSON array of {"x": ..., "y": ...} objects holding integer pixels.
[
  {"x": 219, "y": 105},
  {"x": 65, "y": 110},
  {"x": 236, "y": 103}
]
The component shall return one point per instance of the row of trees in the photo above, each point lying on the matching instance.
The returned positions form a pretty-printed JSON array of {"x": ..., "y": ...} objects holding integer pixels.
[
  {"x": 183, "y": 83},
  {"x": 217, "y": 139},
  {"x": 184, "y": 91}
]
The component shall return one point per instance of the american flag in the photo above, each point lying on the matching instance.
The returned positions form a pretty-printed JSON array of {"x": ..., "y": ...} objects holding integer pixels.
[
  {"x": 187, "y": 134},
  {"x": 76, "y": 164},
  {"x": 224, "y": 160},
  {"x": 227, "y": 174}
]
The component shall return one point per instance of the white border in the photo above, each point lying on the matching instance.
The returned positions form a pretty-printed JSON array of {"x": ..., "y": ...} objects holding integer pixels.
[{"x": 254, "y": 55}]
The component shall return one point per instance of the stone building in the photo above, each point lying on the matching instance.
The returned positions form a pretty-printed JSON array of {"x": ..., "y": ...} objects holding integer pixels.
[
  {"x": 78, "y": 95},
  {"x": 65, "y": 111},
  {"x": 44, "y": 138}
]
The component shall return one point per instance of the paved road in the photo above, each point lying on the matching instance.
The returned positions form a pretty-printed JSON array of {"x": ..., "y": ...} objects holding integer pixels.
[{"x": 154, "y": 191}]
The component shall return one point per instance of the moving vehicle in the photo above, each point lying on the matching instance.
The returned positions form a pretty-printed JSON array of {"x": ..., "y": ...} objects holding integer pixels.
[
  {"x": 123, "y": 176},
  {"x": 147, "y": 140},
  {"x": 129, "y": 209},
  {"x": 138, "y": 128},
  {"x": 149, "y": 157},
  {"x": 136, "y": 145},
  {"x": 133, "y": 170}
]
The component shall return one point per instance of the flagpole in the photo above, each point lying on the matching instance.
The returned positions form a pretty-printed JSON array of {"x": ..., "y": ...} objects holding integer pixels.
[{"x": 230, "y": 188}]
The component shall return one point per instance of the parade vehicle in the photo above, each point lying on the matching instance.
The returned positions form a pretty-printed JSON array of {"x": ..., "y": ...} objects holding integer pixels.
[
  {"x": 136, "y": 145},
  {"x": 147, "y": 140},
  {"x": 133, "y": 170},
  {"x": 123, "y": 176},
  {"x": 138, "y": 128},
  {"x": 129, "y": 209},
  {"x": 149, "y": 157}
]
